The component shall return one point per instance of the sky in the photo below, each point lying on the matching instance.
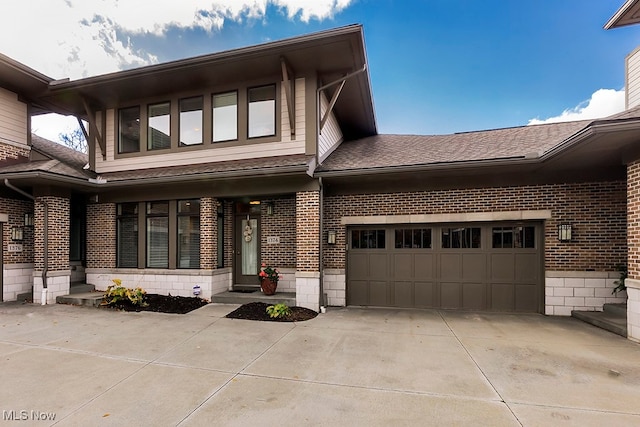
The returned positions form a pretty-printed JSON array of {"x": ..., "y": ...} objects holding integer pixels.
[{"x": 436, "y": 66}]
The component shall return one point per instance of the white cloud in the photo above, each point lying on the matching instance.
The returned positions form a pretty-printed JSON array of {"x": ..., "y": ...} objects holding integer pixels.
[
  {"x": 80, "y": 38},
  {"x": 603, "y": 103},
  {"x": 50, "y": 126}
]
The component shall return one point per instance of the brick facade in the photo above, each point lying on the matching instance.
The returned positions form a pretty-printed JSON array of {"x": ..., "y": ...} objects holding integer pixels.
[
  {"x": 16, "y": 209},
  {"x": 58, "y": 242},
  {"x": 101, "y": 235},
  {"x": 8, "y": 151},
  {"x": 282, "y": 225},
  {"x": 228, "y": 233},
  {"x": 208, "y": 233},
  {"x": 633, "y": 219},
  {"x": 308, "y": 231},
  {"x": 596, "y": 211}
]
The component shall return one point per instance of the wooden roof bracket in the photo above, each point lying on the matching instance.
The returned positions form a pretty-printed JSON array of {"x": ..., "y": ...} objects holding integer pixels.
[
  {"x": 334, "y": 98},
  {"x": 288, "y": 79},
  {"x": 94, "y": 129}
]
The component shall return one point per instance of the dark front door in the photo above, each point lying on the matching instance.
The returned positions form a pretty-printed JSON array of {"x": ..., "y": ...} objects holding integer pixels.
[{"x": 247, "y": 250}]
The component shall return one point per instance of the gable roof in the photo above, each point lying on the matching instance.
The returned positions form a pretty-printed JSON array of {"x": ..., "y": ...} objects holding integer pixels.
[
  {"x": 388, "y": 153},
  {"x": 627, "y": 14},
  {"x": 323, "y": 56}
]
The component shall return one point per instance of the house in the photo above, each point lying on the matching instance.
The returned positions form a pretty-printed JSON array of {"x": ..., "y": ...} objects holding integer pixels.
[{"x": 199, "y": 170}]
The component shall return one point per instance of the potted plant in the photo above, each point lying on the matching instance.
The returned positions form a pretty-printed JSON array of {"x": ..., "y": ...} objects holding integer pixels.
[{"x": 269, "y": 277}]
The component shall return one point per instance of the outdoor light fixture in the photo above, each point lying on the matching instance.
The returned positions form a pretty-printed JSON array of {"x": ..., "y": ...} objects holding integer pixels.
[
  {"x": 564, "y": 232},
  {"x": 270, "y": 208},
  {"x": 16, "y": 234},
  {"x": 331, "y": 237},
  {"x": 28, "y": 219}
]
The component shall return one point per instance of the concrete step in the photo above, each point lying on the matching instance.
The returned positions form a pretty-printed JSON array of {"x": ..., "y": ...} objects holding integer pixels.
[
  {"x": 81, "y": 288},
  {"x": 616, "y": 309},
  {"x": 610, "y": 322},
  {"x": 91, "y": 299},
  {"x": 244, "y": 297}
]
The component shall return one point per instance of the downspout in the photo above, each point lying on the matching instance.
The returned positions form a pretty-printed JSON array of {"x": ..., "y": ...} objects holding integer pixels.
[
  {"x": 322, "y": 302},
  {"x": 45, "y": 270}
]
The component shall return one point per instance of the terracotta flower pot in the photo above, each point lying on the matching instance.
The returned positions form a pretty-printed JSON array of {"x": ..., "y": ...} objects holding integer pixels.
[{"x": 268, "y": 286}]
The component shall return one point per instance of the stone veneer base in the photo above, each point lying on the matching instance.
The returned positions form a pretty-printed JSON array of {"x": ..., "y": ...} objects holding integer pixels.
[
  {"x": 580, "y": 290},
  {"x": 633, "y": 309}
]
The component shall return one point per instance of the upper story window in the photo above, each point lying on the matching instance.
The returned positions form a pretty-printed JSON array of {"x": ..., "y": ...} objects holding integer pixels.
[
  {"x": 225, "y": 116},
  {"x": 191, "y": 121},
  {"x": 262, "y": 111},
  {"x": 159, "y": 129},
  {"x": 129, "y": 130}
]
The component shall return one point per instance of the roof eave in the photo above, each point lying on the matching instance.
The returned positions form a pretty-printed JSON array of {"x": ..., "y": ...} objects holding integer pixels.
[{"x": 615, "y": 20}]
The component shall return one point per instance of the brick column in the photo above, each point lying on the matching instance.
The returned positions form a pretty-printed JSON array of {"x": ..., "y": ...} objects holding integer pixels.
[
  {"x": 101, "y": 235},
  {"x": 633, "y": 244},
  {"x": 208, "y": 233},
  {"x": 59, "y": 272},
  {"x": 307, "y": 249}
]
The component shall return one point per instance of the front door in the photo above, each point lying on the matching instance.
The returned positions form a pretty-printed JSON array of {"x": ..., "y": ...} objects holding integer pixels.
[{"x": 247, "y": 250}]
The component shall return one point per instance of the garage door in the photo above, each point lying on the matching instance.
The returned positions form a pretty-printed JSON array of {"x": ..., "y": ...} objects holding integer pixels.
[{"x": 490, "y": 267}]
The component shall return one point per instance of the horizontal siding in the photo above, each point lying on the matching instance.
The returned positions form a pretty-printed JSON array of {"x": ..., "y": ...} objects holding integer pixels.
[
  {"x": 286, "y": 146},
  {"x": 633, "y": 79},
  {"x": 299, "y": 112},
  {"x": 13, "y": 118},
  {"x": 331, "y": 133}
]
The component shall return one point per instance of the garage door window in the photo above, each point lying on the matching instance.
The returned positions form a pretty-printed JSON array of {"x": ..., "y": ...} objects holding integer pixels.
[
  {"x": 513, "y": 237},
  {"x": 461, "y": 238},
  {"x": 367, "y": 239},
  {"x": 413, "y": 238}
]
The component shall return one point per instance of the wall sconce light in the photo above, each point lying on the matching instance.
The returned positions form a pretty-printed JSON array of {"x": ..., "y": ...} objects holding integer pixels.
[
  {"x": 16, "y": 234},
  {"x": 270, "y": 208},
  {"x": 28, "y": 219},
  {"x": 564, "y": 232},
  {"x": 331, "y": 237}
]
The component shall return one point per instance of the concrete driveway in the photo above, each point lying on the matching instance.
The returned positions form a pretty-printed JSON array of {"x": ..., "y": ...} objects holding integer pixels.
[{"x": 349, "y": 366}]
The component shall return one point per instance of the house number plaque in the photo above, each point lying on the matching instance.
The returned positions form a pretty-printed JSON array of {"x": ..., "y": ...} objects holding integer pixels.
[{"x": 273, "y": 240}]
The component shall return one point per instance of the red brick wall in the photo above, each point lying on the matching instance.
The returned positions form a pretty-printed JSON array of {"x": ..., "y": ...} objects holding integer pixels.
[
  {"x": 11, "y": 152},
  {"x": 208, "y": 233},
  {"x": 307, "y": 230},
  {"x": 58, "y": 243},
  {"x": 281, "y": 224},
  {"x": 633, "y": 218},
  {"x": 16, "y": 210},
  {"x": 101, "y": 235},
  {"x": 597, "y": 212},
  {"x": 228, "y": 234}
]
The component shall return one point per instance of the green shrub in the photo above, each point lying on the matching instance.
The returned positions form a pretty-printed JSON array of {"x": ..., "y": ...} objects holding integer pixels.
[
  {"x": 118, "y": 294},
  {"x": 279, "y": 310},
  {"x": 620, "y": 285}
]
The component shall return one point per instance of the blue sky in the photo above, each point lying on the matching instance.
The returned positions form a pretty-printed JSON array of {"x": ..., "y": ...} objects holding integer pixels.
[{"x": 436, "y": 66}]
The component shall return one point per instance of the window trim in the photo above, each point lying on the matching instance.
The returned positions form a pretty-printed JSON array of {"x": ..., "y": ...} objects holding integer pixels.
[
  {"x": 222, "y": 141},
  {"x": 202, "y": 127},
  {"x": 136, "y": 217},
  {"x": 177, "y": 232},
  {"x": 275, "y": 110},
  {"x": 207, "y": 94}
]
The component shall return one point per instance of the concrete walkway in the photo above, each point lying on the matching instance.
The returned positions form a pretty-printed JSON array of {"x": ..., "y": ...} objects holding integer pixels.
[{"x": 350, "y": 366}]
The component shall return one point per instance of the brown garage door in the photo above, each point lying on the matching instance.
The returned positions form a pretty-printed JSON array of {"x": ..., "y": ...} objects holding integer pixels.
[{"x": 492, "y": 267}]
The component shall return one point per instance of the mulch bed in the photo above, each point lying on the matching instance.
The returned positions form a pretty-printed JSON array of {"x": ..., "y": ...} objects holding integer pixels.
[
  {"x": 258, "y": 311},
  {"x": 164, "y": 304}
]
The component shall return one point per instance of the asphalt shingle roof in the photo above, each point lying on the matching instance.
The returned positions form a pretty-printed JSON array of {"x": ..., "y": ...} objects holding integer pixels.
[
  {"x": 381, "y": 151},
  {"x": 260, "y": 165}
]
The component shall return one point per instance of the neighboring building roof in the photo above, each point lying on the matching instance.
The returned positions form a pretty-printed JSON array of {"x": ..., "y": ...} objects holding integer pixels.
[
  {"x": 59, "y": 160},
  {"x": 30, "y": 84},
  {"x": 628, "y": 14},
  {"x": 400, "y": 151}
]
